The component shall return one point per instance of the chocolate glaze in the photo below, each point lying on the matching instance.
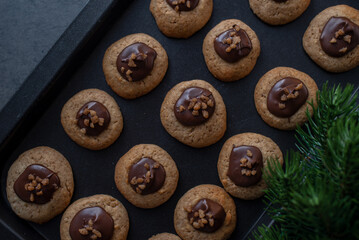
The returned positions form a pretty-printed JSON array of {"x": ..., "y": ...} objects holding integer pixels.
[
  {"x": 245, "y": 168},
  {"x": 339, "y": 36},
  {"x": 146, "y": 176},
  {"x": 284, "y": 100},
  {"x": 101, "y": 113},
  {"x": 239, "y": 44},
  {"x": 91, "y": 221},
  {"x": 186, "y": 114},
  {"x": 136, "y": 61},
  {"x": 183, "y": 5},
  {"x": 45, "y": 183},
  {"x": 213, "y": 213}
]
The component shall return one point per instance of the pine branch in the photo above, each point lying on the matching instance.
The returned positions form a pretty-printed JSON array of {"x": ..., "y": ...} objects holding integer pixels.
[{"x": 316, "y": 196}]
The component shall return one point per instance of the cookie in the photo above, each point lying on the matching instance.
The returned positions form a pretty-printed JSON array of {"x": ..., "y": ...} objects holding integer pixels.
[
  {"x": 194, "y": 113},
  {"x": 164, "y": 236},
  {"x": 278, "y": 12},
  {"x": 231, "y": 50},
  {"x": 134, "y": 65},
  {"x": 242, "y": 161},
  {"x": 332, "y": 39},
  {"x": 181, "y": 18},
  {"x": 205, "y": 212},
  {"x": 282, "y": 97},
  {"x": 146, "y": 176},
  {"x": 98, "y": 216},
  {"x": 92, "y": 119},
  {"x": 39, "y": 184}
]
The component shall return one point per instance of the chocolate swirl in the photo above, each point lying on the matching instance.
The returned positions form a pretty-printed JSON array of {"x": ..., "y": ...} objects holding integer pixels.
[
  {"x": 93, "y": 118},
  {"x": 286, "y": 97},
  {"x": 207, "y": 215},
  {"x": 36, "y": 184},
  {"x": 339, "y": 36},
  {"x": 146, "y": 176},
  {"x": 245, "y": 165},
  {"x": 195, "y": 106},
  {"x": 183, "y": 5},
  {"x": 233, "y": 44},
  {"x": 92, "y": 223},
  {"x": 136, "y": 61}
]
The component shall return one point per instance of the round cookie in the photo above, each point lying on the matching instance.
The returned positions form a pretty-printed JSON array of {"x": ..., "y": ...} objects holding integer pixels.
[
  {"x": 236, "y": 182},
  {"x": 205, "y": 212},
  {"x": 104, "y": 133},
  {"x": 345, "y": 45},
  {"x": 278, "y": 12},
  {"x": 100, "y": 215},
  {"x": 164, "y": 236},
  {"x": 296, "y": 107},
  {"x": 175, "y": 19},
  {"x": 134, "y": 65},
  {"x": 230, "y": 58},
  {"x": 146, "y": 176},
  {"x": 207, "y": 131},
  {"x": 46, "y": 197}
]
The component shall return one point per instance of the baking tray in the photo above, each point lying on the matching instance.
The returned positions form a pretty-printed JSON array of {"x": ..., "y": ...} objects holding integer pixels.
[{"x": 32, "y": 117}]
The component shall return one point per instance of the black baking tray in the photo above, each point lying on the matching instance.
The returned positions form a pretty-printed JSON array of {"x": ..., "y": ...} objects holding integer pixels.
[{"x": 32, "y": 117}]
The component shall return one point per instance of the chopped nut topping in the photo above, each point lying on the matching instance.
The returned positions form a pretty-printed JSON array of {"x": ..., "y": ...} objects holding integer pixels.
[
  {"x": 204, "y": 106},
  {"x": 128, "y": 75},
  {"x": 201, "y": 213},
  {"x": 347, "y": 38},
  {"x": 131, "y": 62},
  {"x": 138, "y": 190},
  {"x": 196, "y": 214},
  {"x": 197, "y": 106},
  {"x": 147, "y": 166},
  {"x": 83, "y": 231},
  {"x": 142, "y": 186},
  {"x": 83, "y": 130},
  {"x": 45, "y": 181},
  {"x": 191, "y": 220},
  {"x": 296, "y": 94},
  {"x": 87, "y": 122},
  {"x": 333, "y": 40},
  {"x": 237, "y": 28},
  {"x": 211, "y": 222},
  {"x": 243, "y": 171},
  {"x": 281, "y": 105},
  {"x": 195, "y": 113},
  {"x": 343, "y": 50},
  {"x": 32, "y": 198},
  {"x": 133, "y": 181},
  {"x": 30, "y": 177},
  {"x": 232, "y": 34},
  {"x": 122, "y": 69},
  {"x": 156, "y": 165},
  {"x": 283, "y": 98},
  {"x": 182, "y": 108},
  {"x": 340, "y": 32},
  {"x": 205, "y": 114},
  {"x": 97, "y": 233},
  {"x": 93, "y": 237},
  {"x": 254, "y": 172},
  {"x": 196, "y": 225},
  {"x": 139, "y": 180},
  {"x": 299, "y": 86},
  {"x": 228, "y": 49},
  {"x": 101, "y": 121},
  {"x": 210, "y": 103},
  {"x": 92, "y": 125},
  {"x": 39, "y": 193},
  {"x": 177, "y": 8},
  {"x": 249, "y": 153},
  {"x": 188, "y": 4},
  {"x": 86, "y": 111}
]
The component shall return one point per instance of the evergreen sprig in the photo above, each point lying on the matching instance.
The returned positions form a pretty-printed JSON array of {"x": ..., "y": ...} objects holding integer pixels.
[{"x": 316, "y": 195}]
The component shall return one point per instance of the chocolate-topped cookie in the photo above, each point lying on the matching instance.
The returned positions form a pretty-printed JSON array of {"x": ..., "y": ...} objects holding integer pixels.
[
  {"x": 242, "y": 161},
  {"x": 39, "y": 184},
  {"x": 164, "y": 236},
  {"x": 282, "y": 97},
  {"x": 194, "y": 113},
  {"x": 36, "y": 184},
  {"x": 146, "y": 176},
  {"x": 195, "y": 106},
  {"x": 92, "y": 119},
  {"x": 278, "y": 12},
  {"x": 205, "y": 212},
  {"x": 245, "y": 165},
  {"x": 134, "y": 65},
  {"x": 136, "y": 61},
  {"x": 96, "y": 217},
  {"x": 181, "y": 18},
  {"x": 332, "y": 38},
  {"x": 231, "y": 50}
]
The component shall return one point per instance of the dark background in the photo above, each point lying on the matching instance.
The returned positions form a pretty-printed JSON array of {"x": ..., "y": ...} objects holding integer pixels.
[{"x": 280, "y": 46}]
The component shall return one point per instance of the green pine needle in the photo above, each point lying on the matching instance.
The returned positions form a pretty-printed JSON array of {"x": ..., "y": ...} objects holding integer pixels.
[{"x": 316, "y": 195}]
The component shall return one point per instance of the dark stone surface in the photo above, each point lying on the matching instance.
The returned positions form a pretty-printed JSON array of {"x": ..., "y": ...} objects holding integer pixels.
[{"x": 28, "y": 30}]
